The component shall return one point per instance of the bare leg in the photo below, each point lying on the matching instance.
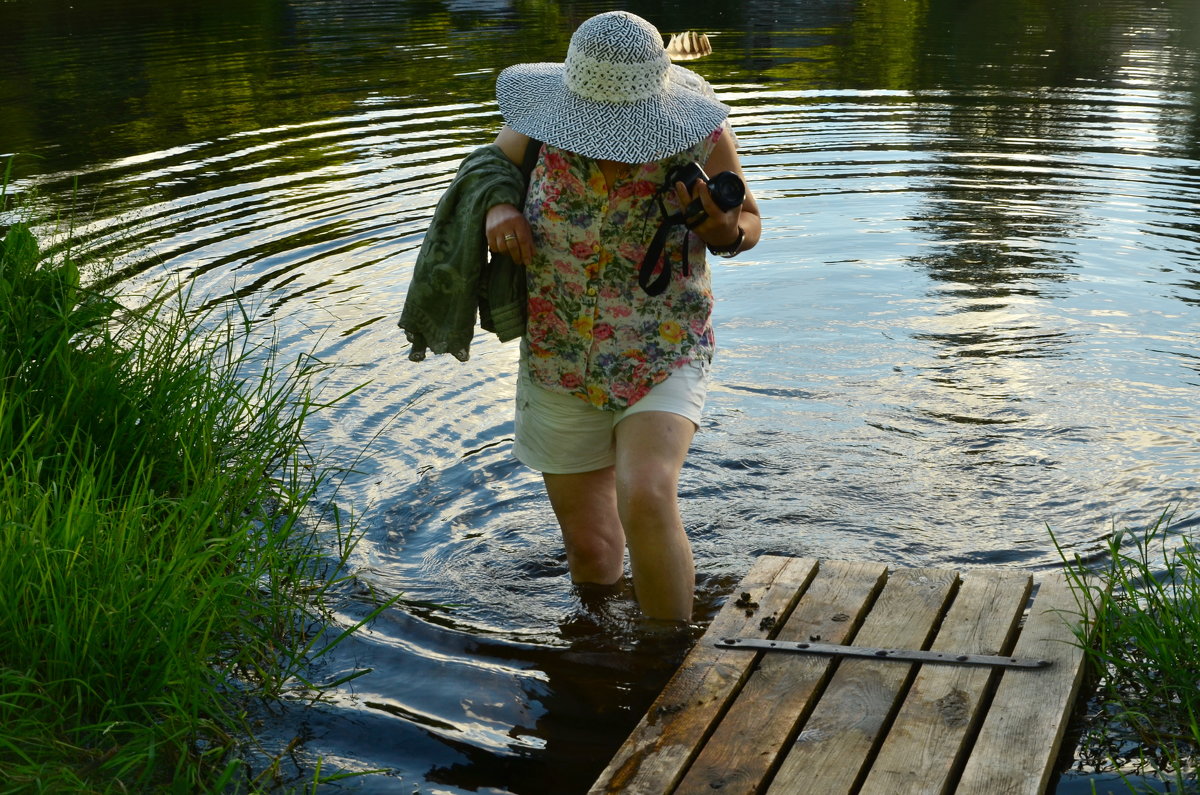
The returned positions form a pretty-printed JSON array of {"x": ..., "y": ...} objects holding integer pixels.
[
  {"x": 651, "y": 448},
  {"x": 586, "y": 507}
]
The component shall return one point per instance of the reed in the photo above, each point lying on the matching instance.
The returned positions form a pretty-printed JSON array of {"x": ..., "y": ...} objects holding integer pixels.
[
  {"x": 159, "y": 559},
  {"x": 1145, "y": 649}
]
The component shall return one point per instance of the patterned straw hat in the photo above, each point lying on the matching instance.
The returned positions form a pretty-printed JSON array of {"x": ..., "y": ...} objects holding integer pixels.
[{"x": 617, "y": 96}]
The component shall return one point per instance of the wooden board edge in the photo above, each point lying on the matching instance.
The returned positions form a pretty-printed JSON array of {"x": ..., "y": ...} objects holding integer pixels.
[
  {"x": 1048, "y": 634},
  {"x": 658, "y": 750}
]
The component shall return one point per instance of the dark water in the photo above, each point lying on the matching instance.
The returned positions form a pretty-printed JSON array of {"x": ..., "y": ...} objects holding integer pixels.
[{"x": 972, "y": 317}]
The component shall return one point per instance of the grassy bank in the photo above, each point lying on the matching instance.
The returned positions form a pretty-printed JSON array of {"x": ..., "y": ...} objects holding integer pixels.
[
  {"x": 1145, "y": 720},
  {"x": 158, "y": 562}
]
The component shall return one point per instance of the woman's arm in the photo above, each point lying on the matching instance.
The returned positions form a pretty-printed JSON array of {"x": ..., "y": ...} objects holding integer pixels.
[
  {"x": 721, "y": 228},
  {"x": 512, "y": 143},
  {"x": 506, "y": 229}
]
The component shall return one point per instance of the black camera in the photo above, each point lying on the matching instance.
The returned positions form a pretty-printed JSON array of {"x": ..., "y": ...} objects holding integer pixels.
[{"x": 726, "y": 188}]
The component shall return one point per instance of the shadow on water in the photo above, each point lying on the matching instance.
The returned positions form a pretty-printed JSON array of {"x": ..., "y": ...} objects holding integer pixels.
[{"x": 972, "y": 316}]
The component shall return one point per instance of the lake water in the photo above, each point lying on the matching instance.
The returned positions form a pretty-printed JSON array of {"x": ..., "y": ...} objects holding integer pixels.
[{"x": 972, "y": 318}]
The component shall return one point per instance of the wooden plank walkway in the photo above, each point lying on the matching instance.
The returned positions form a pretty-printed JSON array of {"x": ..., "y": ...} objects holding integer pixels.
[{"x": 736, "y": 720}]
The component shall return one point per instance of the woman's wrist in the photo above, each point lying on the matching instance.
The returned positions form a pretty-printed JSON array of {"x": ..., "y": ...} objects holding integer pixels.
[{"x": 732, "y": 247}]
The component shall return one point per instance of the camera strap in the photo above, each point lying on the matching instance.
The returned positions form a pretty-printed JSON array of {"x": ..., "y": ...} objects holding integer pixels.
[{"x": 655, "y": 285}]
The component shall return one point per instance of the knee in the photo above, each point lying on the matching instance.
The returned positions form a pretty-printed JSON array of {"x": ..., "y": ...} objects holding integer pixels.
[
  {"x": 648, "y": 499},
  {"x": 595, "y": 557},
  {"x": 594, "y": 547}
]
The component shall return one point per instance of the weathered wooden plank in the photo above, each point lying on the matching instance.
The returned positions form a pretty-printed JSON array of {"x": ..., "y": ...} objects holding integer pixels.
[
  {"x": 664, "y": 742},
  {"x": 930, "y": 737},
  {"x": 832, "y": 751},
  {"x": 741, "y": 752},
  {"x": 1021, "y": 735}
]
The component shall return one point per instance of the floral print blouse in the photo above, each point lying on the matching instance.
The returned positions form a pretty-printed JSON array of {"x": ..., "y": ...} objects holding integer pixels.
[{"x": 593, "y": 332}]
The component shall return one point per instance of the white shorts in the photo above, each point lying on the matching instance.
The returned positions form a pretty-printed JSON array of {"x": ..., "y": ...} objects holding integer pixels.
[{"x": 563, "y": 435}]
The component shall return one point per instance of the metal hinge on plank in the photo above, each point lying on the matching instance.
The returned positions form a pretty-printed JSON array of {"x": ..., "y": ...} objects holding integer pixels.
[{"x": 875, "y": 653}]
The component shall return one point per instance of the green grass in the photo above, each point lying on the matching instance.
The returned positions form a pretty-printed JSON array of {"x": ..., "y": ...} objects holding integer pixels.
[
  {"x": 1146, "y": 651},
  {"x": 159, "y": 558}
]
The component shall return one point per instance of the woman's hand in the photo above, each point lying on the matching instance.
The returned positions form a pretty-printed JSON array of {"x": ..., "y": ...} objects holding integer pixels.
[
  {"x": 716, "y": 227},
  {"x": 720, "y": 230},
  {"x": 508, "y": 232}
]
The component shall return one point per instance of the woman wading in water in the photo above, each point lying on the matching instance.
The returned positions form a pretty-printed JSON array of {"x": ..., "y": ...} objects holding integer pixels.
[{"x": 619, "y": 339}]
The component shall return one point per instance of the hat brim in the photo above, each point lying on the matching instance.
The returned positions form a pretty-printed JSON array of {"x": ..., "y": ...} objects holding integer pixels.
[{"x": 535, "y": 101}]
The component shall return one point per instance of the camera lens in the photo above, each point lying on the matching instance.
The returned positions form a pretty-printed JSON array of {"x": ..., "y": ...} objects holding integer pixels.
[{"x": 727, "y": 190}]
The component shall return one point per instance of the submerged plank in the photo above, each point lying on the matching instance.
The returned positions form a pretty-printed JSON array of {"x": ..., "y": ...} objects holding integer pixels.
[
  {"x": 930, "y": 738},
  {"x": 1021, "y": 735},
  {"x": 664, "y": 742},
  {"x": 832, "y": 752},
  {"x": 743, "y": 749}
]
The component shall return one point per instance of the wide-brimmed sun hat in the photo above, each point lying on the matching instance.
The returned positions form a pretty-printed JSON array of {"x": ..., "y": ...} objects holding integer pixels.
[{"x": 616, "y": 97}]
